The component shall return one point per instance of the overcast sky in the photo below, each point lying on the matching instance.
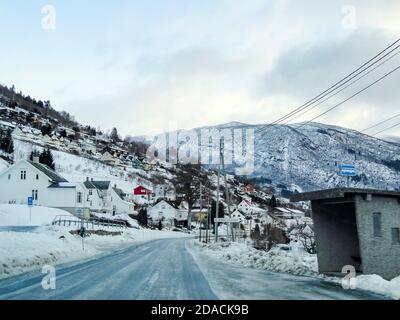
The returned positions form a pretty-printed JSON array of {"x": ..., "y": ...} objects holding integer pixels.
[{"x": 142, "y": 65}]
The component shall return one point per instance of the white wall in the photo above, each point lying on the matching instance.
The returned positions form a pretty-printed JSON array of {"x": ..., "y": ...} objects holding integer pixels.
[
  {"x": 122, "y": 206},
  {"x": 17, "y": 190},
  {"x": 160, "y": 210}
]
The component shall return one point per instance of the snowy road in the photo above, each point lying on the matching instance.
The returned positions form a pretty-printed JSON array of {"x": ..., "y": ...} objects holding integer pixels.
[{"x": 169, "y": 269}]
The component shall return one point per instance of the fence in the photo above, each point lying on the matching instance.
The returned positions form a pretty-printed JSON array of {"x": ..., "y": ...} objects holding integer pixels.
[{"x": 68, "y": 221}]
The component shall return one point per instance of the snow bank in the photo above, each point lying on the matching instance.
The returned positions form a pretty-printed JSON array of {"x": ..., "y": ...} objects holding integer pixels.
[
  {"x": 22, "y": 252},
  {"x": 296, "y": 263},
  {"x": 300, "y": 263},
  {"x": 18, "y": 215},
  {"x": 376, "y": 284}
]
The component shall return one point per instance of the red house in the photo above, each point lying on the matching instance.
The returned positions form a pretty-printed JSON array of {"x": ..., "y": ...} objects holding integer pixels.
[{"x": 141, "y": 191}]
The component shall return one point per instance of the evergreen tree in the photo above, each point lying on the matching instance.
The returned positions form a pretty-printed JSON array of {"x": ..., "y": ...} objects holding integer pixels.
[
  {"x": 47, "y": 129},
  {"x": 272, "y": 202},
  {"x": 160, "y": 225},
  {"x": 114, "y": 135},
  {"x": 6, "y": 141},
  {"x": 142, "y": 217},
  {"x": 214, "y": 211},
  {"x": 46, "y": 157},
  {"x": 34, "y": 154}
]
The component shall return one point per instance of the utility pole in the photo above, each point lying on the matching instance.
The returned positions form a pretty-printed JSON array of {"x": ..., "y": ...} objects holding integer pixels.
[
  {"x": 201, "y": 209},
  {"x": 227, "y": 194},
  {"x": 217, "y": 202}
]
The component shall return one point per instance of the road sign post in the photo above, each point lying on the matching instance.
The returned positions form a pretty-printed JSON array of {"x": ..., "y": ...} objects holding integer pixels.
[
  {"x": 30, "y": 204},
  {"x": 347, "y": 170}
]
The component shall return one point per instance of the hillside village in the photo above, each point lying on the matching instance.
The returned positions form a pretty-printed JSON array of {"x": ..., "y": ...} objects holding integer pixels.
[{"x": 138, "y": 188}]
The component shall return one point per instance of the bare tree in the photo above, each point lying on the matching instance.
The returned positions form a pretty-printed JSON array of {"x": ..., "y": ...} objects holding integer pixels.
[{"x": 187, "y": 183}]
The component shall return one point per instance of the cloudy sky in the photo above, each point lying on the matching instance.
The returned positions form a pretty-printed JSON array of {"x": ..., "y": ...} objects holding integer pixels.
[{"x": 145, "y": 66}]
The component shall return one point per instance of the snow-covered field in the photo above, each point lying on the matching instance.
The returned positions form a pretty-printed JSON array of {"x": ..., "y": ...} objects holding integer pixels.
[
  {"x": 23, "y": 250},
  {"x": 296, "y": 263},
  {"x": 19, "y": 215}
]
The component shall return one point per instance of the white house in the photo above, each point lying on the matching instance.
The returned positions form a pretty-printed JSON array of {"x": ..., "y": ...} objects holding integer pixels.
[
  {"x": 166, "y": 211},
  {"x": 47, "y": 188},
  {"x": 32, "y": 179},
  {"x": 110, "y": 159},
  {"x": 238, "y": 215},
  {"x": 245, "y": 207},
  {"x": 105, "y": 198}
]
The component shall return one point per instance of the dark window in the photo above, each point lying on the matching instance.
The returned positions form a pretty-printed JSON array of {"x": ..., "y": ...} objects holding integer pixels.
[
  {"x": 37, "y": 177},
  {"x": 90, "y": 192},
  {"x": 377, "y": 224},
  {"x": 395, "y": 235},
  {"x": 23, "y": 175},
  {"x": 79, "y": 197},
  {"x": 34, "y": 194}
]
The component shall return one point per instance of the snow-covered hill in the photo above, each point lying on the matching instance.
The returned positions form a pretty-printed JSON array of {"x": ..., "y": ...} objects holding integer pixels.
[{"x": 307, "y": 158}]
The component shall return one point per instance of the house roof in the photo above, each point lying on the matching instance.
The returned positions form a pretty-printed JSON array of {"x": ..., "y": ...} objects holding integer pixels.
[
  {"x": 101, "y": 185},
  {"x": 48, "y": 172},
  {"x": 89, "y": 185},
  {"x": 120, "y": 193},
  {"x": 340, "y": 193},
  {"x": 172, "y": 204}
]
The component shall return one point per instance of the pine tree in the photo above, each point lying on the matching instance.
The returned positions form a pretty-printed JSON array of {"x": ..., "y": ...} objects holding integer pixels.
[
  {"x": 142, "y": 217},
  {"x": 34, "y": 154},
  {"x": 114, "y": 135},
  {"x": 46, "y": 157},
  {"x": 6, "y": 141},
  {"x": 272, "y": 202}
]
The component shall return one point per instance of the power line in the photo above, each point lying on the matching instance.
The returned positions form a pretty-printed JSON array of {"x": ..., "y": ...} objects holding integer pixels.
[
  {"x": 333, "y": 88},
  {"x": 382, "y": 122},
  {"x": 351, "y": 97},
  {"x": 391, "y": 127},
  {"x": 349, "y": 85}
]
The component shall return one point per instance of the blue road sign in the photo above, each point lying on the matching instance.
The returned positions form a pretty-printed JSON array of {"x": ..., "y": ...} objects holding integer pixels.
[
  {"x": 347, "y": 170},
  {"x": 30, "y": 201}
]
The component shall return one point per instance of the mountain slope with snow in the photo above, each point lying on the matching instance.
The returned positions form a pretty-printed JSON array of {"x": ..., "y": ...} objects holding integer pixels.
[{"x": 307, "y": 158}]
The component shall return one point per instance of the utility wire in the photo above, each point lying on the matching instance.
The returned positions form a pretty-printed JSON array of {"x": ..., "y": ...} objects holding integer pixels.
[
  {"x": 333, "y": 88},
  {"x": 391, "y": 127},
  {"x": 349, "y": 85},
  {"x": 382, "y": 122},
  {"x": 351, "y": 97}
]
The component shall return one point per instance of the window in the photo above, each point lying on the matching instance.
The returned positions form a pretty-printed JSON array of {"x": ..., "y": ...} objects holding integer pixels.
[
  {"x": 9, "y": 176},
  {"x": 395, "y": 235},
  {"x": 37, "y": 177},
  {"x": 377, "y": 224},
  {"x": 34, "y": 194},
  {"x": 79, "y": 197},
  {"x": 90, "y": 192},
  {"x": 23, "y": 174}
]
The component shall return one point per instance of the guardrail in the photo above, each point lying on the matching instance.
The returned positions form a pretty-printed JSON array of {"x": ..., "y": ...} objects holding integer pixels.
[{"x": 68, "y": 221}]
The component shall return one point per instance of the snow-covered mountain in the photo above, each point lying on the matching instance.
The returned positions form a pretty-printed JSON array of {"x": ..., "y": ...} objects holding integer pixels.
[{"x": 307, "y": 158}]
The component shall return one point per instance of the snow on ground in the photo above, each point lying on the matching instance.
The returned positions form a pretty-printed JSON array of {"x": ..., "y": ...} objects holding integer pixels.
[
  {"x": 18, "y": 215},
  {"x": 27, "y": 249},
  {"x": 292, "y": 262},
  {"x": 75, "y": 168},
  {"x": 376, "y": 284},
  {"x": 299, "y": 263}
]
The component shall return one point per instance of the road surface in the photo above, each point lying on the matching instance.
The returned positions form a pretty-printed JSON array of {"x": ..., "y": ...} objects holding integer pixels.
[{"x": 169, "y": 269}]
